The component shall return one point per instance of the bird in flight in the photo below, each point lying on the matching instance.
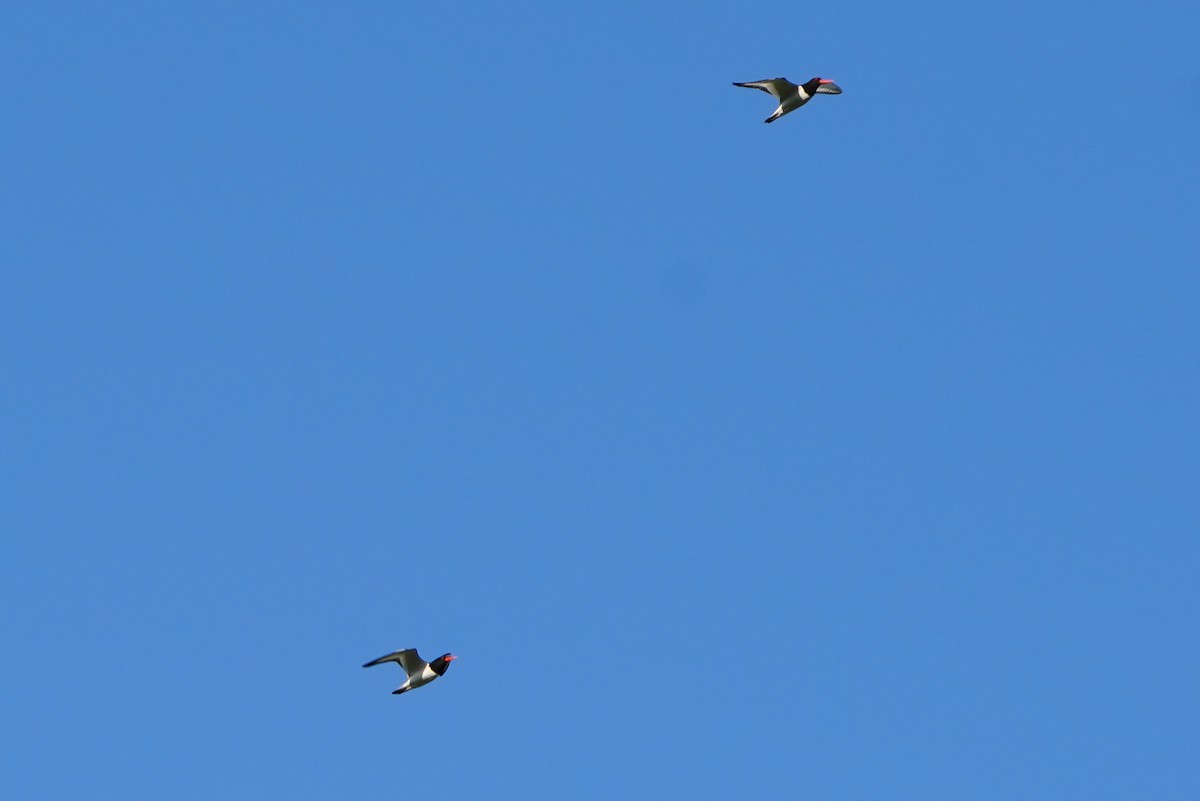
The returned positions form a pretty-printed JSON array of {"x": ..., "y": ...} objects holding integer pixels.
[
  {"x": 419, "y": 671},
  {"x": 791, "y": 96}
]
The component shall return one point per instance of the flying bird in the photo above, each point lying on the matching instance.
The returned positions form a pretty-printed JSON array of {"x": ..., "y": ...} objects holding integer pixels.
[
  {"x": 791, "y": 96},
  {"x": 419, "y": 671}
]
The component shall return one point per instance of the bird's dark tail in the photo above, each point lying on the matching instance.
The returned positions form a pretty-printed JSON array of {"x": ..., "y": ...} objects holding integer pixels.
[{"x": 401, "y": 690}]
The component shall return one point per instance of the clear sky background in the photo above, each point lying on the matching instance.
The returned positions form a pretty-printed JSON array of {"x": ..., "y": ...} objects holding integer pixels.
[{"x": 851, "y": 457}]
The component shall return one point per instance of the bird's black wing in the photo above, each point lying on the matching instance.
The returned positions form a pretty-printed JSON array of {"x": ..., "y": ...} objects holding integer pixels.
[
  {"x": 778, "y": 87},
  {"x": 408, "y": 659}
]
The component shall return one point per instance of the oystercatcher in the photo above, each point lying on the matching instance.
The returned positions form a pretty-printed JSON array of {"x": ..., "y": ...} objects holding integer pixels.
[
  {"x": 791, "y": 96},
  {"x": 419, "y": 671}
]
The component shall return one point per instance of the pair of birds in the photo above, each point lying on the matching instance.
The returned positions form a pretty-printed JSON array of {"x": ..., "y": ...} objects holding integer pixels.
[{"x": 792, "y": 96}]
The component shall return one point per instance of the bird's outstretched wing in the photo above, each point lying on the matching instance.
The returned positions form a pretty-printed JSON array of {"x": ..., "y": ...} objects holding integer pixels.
[
  {"x": 408, "y": 659},
  {"x": 779, "y": 87}
]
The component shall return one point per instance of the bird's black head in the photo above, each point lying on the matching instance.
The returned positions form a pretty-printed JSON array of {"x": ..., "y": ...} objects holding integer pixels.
[{"x": 440, "y": 664}]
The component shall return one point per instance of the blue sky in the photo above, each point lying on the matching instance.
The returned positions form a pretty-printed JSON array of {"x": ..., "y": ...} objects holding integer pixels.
[{"x": 849, "y": 457}]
